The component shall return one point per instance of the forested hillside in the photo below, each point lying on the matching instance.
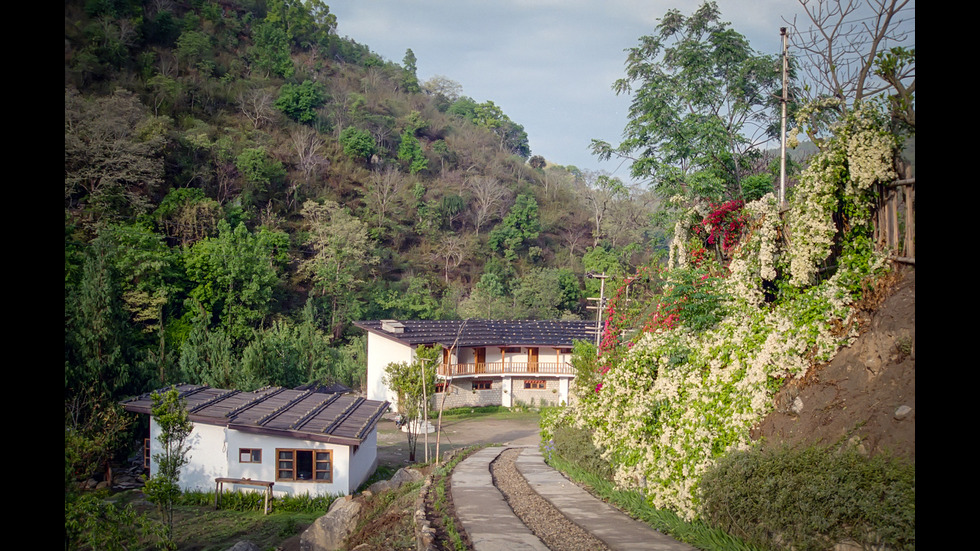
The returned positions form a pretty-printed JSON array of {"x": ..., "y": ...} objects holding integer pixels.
[{"x": 241, "y": 183}]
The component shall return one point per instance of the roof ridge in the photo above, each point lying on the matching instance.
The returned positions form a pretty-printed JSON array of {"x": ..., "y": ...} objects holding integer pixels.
[
  {"x": 314, "y": 411},
  {"x": 283, "y": 408},
  {"x": 220, "y": 397},
  {"x": 372, "y": 419},
  {"x": 343, "y": 415}
]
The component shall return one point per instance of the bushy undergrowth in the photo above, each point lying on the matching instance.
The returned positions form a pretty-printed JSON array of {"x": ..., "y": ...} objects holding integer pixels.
[
  {"x": 255, "y": 501},
  {"x": 812, "y": 498},
  {"x": 571, "y": 441}
]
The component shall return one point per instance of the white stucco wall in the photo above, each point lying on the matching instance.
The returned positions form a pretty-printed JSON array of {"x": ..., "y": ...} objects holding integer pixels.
[
  {"x": 364, "y": 461},
  {"x": 207, "y": 456},
  {"x": 214, "y": 453},
  {"x": 340, "y": 483},
  {"x": 381, "y": 352}
]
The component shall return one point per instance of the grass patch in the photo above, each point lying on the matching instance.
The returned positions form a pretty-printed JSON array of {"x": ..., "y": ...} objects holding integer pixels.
[
  {"x": 198, "y": 526},
  {"x": 466, "y": 413},
  {"x": 635, "y": 504},
  {"x": 388, "y": 522}
]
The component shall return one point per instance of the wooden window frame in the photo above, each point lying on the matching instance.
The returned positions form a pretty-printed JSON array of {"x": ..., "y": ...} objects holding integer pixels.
[
  {"x": 287, "y": 465},
  {"x": 440, "y": 387},
  {"x": 254, "y": 455},
  {"x": 482, "y": 384},
  {"x": 146, "y": 453},
  {"x": 535, "y": 384}
]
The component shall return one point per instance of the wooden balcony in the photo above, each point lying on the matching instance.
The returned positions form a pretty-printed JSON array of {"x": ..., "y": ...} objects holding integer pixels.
[{"x": 510, "y": 368}]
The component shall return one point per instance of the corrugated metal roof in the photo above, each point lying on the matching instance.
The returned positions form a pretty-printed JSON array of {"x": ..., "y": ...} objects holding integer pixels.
[
  {"x": 487, "y": 332},
  {"x": 296, "y": 413}
]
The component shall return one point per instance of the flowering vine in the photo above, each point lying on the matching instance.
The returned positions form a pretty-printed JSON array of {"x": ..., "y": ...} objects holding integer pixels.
[{"x": 692, "y": 354}]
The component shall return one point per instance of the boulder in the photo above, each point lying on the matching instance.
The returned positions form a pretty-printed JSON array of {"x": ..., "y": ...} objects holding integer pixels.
[{"x": 330, "y": 530}]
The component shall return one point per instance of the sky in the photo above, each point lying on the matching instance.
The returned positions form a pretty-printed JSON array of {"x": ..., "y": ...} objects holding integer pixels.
[{"x": 548, "y": 64}]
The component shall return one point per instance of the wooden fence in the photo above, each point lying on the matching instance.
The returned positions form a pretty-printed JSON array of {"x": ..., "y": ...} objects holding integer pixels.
[{"x": 895, "y": 220}]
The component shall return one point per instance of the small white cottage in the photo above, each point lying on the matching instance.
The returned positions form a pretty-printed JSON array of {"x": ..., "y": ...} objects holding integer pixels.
[{"x": 301, "y": 440}]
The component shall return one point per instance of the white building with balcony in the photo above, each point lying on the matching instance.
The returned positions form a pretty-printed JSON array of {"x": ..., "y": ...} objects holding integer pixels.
[{"x": 484, "y": 362}]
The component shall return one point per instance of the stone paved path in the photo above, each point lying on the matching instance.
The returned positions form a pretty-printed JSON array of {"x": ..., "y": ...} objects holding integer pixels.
[{"x": 493, "y": 526}]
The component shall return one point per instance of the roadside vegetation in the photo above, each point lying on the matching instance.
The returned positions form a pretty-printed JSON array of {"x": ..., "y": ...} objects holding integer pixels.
[{"x": 753, "y": 295}]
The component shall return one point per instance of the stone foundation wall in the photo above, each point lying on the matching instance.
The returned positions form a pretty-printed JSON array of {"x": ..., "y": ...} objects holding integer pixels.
[
  {"x": 462, "y": 395},
  {"x": 548, "y": 396}
]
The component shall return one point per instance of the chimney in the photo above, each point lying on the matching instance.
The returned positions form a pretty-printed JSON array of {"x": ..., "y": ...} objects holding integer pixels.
[{"x": 392, "y": 326}]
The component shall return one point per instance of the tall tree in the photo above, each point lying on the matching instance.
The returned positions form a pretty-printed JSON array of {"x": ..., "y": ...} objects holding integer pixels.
[
  {"x": 306, "y": 22},
  {"x": 699, "y": 92},
  {"x": 853, "y": 50},
  {"x": 113, "y": 155},
  {"x": 518, "y": 228},
  {"x": 340, "y": 254},
  {"x": 234, "y": 275},
  {"x": 599, "y": 193},
  {"x": 488, "y": 194},
  {"x": 98, "y": 343},
  {"x": 411, "y": 80}
]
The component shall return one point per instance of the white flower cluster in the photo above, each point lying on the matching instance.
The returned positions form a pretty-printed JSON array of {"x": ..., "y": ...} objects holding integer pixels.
[
  {"x": 810, "y": 220},
  {"x": 793, "y": 140},
  {"x": 755, "y": 259},
  {"x": 869, "y": 158},
  {"x": 678, "y": 246}
]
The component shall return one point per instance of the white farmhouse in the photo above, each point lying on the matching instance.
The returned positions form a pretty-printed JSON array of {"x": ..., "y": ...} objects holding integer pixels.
[
  {"x": 303, "y": 441},
  {"x": 484, "y": 362}
]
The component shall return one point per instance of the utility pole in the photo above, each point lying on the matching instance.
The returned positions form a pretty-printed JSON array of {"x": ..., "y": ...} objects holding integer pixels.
[
  {"x": 602, "y": 302},
  {"x": 782, "y": 147}
]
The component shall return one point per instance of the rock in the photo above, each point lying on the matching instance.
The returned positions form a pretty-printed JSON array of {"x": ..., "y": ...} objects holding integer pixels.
[
  {"x": 244, "y": 545},
  {"x": 797, "y": 406},
  {"x": 379, "y": 486},
  {"x": 902, "y": 412},
  {"x": 405, "y": 475},
  {"x": 330, "y": 530}
]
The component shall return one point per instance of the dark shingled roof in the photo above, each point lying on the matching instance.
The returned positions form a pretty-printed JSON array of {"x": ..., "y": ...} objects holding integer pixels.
[
  {"x": 307, "y": 414},
  {"x": 485, "y": 332}
]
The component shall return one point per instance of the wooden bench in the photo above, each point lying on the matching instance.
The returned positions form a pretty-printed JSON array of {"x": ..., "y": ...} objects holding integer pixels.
[{"x": 219, "y": 482}]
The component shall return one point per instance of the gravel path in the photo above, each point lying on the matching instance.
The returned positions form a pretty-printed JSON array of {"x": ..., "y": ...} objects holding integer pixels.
[{"x": 556, "y": 531}]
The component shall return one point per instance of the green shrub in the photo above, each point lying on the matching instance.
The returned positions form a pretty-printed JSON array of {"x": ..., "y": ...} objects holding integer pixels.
[
  {"x": 812, "y": 498},
  {"x": 255, "y": 501},
  {"x": 357, "y": 144},
  {"x": 575, "y": 445},
  {"x": 300, "y": 101}
]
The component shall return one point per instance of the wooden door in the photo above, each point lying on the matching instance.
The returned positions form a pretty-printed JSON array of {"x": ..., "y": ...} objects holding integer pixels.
[
  {"x": 532, "y": 360},
  {"x": 481, "y": 359}
]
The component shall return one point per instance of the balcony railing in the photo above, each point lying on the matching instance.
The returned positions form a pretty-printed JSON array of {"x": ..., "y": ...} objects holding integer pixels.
[{"x": 498, "y": 368}]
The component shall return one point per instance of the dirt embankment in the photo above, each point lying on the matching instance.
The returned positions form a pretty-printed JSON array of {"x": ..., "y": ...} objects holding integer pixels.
[{"x": 866, "y": 394}]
